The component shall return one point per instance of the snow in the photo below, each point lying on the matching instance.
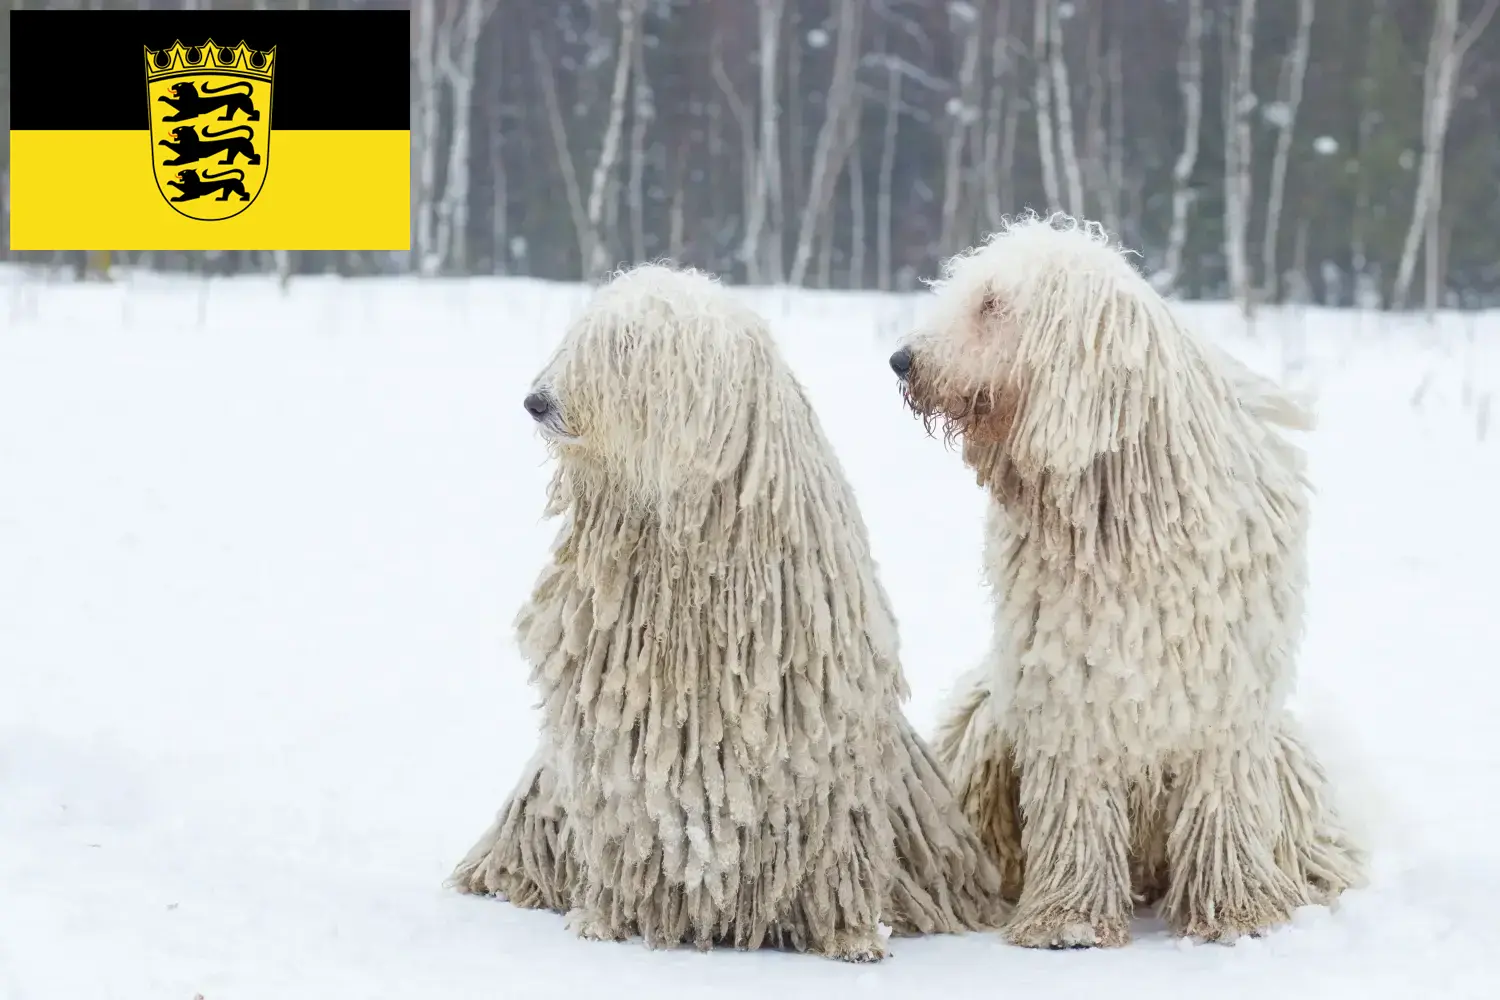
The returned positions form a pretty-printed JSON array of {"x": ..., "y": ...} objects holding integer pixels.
[{"x": 259, "y": 555}]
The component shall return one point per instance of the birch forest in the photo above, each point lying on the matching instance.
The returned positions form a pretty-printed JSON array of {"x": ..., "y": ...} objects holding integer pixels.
[{"x": 1336, "y": 152}]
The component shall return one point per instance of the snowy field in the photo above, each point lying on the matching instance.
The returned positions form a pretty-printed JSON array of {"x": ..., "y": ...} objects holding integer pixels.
[{"x": 259, "y": 556}]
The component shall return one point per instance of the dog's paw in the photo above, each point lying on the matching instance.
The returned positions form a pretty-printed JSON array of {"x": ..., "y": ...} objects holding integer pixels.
[
  {"x": 591, "y": 926},
  {"x": 1064, "y": 929}
]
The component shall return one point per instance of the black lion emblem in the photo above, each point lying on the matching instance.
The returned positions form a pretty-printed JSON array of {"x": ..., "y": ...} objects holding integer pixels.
[
  {"x": 192, "y": 186},
  {"x": 189, "y": 147},
  {"x": 187, "y": 103}
]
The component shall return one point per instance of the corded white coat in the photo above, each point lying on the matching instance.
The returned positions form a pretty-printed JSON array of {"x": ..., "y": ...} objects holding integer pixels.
[
  {"x": 723, "y": 757},
  {"x": 1127, "y": 737}
]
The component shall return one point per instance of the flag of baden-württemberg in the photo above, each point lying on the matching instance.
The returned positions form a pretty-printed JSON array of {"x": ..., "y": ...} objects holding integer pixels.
[{"x": 210, "y": 130}]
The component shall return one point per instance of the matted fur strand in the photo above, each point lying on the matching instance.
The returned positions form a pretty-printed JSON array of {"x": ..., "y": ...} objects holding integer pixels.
[
  {"x": 1127, "y": 738},
  {"x": 723, "y": 757}
]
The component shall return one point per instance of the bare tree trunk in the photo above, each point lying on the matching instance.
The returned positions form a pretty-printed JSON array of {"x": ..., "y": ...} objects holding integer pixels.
[
  {"x": 609, "y": 149},
  {"x": 857, "y": 216},
  {"x": 1238, "y": 105},
  {"x": 564, "y": 155},
  {"x": 1432, "y": 256},
  {"x": 960, "y": 116},
  {"x": 883, "y": 234},
  {"x": 796, "y": 147},
  {"x": 1190, "y": 82},
  {"x": 283, "y": 259},
  {"x": 641, "y": 114},
  {"x": 1116, "y": 137},
  {"x": 1296, "y": 73},
  {"x": 765, "y": 170},
  {"x": 1445, "y": 55},
  {"x": 1098, "y": 150},
  {"x": 1042, "y": 97},
  {"x": 1063, "y": 102},
  {"x": 1369, "y": 121},
  {"x": 1008, "y": 152},
  {"x": 825, "y": 171},
  {"x": 677, "y": 223},
  {"x": 499, "y": 196},
  {"x": 998, "y": 117},
  {"x": 453, "y": 210},
  {"x": 753, "y": 199},
  {"x": 424, "y": 143}
]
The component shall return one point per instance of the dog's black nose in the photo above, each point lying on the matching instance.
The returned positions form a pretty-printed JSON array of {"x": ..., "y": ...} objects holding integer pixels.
[
  {"x": 901, "y": 362},
  {"x": 537, "y": 405}
]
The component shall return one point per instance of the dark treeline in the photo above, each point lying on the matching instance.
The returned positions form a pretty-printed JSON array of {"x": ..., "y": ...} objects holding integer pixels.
[{"x": 1327, "y": 151}]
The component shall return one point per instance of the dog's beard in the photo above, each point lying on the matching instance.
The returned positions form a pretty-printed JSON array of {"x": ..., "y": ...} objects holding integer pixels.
[
  {"x": 977, "y": 415},
  {"x": 554, "y": 429}
]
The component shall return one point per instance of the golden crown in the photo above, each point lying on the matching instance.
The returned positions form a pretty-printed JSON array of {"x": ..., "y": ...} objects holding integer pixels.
[{"x": 210, "y": 57}]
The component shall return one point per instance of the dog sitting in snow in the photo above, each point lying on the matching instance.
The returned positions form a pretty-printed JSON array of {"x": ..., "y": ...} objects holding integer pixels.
[
  {"x": 1126, "y": 739},
  {"x": 724, "y": 759}
]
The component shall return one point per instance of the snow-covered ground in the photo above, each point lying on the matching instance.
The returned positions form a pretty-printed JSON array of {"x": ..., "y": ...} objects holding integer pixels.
[{"x": 259, "y": 556}]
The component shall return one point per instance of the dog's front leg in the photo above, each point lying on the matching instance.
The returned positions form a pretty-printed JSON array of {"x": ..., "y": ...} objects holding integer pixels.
[
  {"x": 1225, "y": 881},
  {"x": 1076, "y": 840}
]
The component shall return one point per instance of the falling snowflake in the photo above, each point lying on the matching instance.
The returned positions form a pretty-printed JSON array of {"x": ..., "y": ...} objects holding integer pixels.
[
  {"x": 962, "y": 11},
  {"x": 1325, "y": 145},
  {"x": 1278, "y": 114},
  {"x": 817, "y": 38}
]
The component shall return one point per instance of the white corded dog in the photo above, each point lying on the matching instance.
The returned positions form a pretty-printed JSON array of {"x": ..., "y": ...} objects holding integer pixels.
[
  {"x": 724, "y": 759},
  {"x": 1126, "y": 739}
]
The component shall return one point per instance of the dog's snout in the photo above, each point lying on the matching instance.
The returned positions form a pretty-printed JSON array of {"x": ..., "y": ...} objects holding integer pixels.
[
  {"x": 537, "y": 405},
  {"x": 901, "y": 362}
]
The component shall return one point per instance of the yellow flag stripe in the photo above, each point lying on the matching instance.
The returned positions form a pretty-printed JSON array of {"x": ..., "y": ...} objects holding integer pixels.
[{"x": 334, "y": 190}]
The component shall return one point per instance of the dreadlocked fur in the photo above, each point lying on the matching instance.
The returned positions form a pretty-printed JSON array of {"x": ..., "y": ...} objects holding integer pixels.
[
  {"x": 1126, "y": 739},
  {"x": 724, "y": 759}
]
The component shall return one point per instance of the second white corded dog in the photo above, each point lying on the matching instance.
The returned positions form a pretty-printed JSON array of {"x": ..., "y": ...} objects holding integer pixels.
[{"x": 1127, "y": 738}]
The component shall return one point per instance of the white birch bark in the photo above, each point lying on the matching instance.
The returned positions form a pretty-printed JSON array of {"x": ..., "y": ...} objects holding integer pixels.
[
  {"x": 1445, "y": 55},
  {"x": 1042, "y": 97},
  {"x": 959, "y": 118},
  {"x": 1063, "y": 106},
  {"x": 458, "y": 69},
  {"x": 424, "y": 143},
  {"x": 609, "y": 150},
  {"x": 642, "y": 111},
  {"x": 1296, "y": 74},
  {"x": 883, "y": 223},
  {"x": 753, "y": 197},
  {"x": 831, "y": 144},
  {"x": 1239, "y": 104},
  {"x": 996, "y": 120},
  {"x": 764, "y": 260},
  {"x": 1190, "y": 83},
  {"x": 556, "y": 126}
]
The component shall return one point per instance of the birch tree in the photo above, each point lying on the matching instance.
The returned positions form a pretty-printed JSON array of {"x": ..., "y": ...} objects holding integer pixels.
[
  {"x": 1445, "y": 55},
  {"x": 457, "y": 55},
  {"x": 960, "y": 116},
  {"x": 642, "y": 112},
  {"x": 1063, "y": 104},
  {"x": 1238, "y": 105},
  {"x": 609, "y": 149},
  {"x": 1041, "y": 37},
  {"x": 1190, "y": 84},
  {"x": 832, "y": 142},
  {"x": 424, "y": 144},
  {"x": 999, "y": 120},
  {"x": 1294, "y": 75},
  {"x": 558, "y": 129},
  {"x": 883, "y": 234},
  {"x": 761, "y": 251}
]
